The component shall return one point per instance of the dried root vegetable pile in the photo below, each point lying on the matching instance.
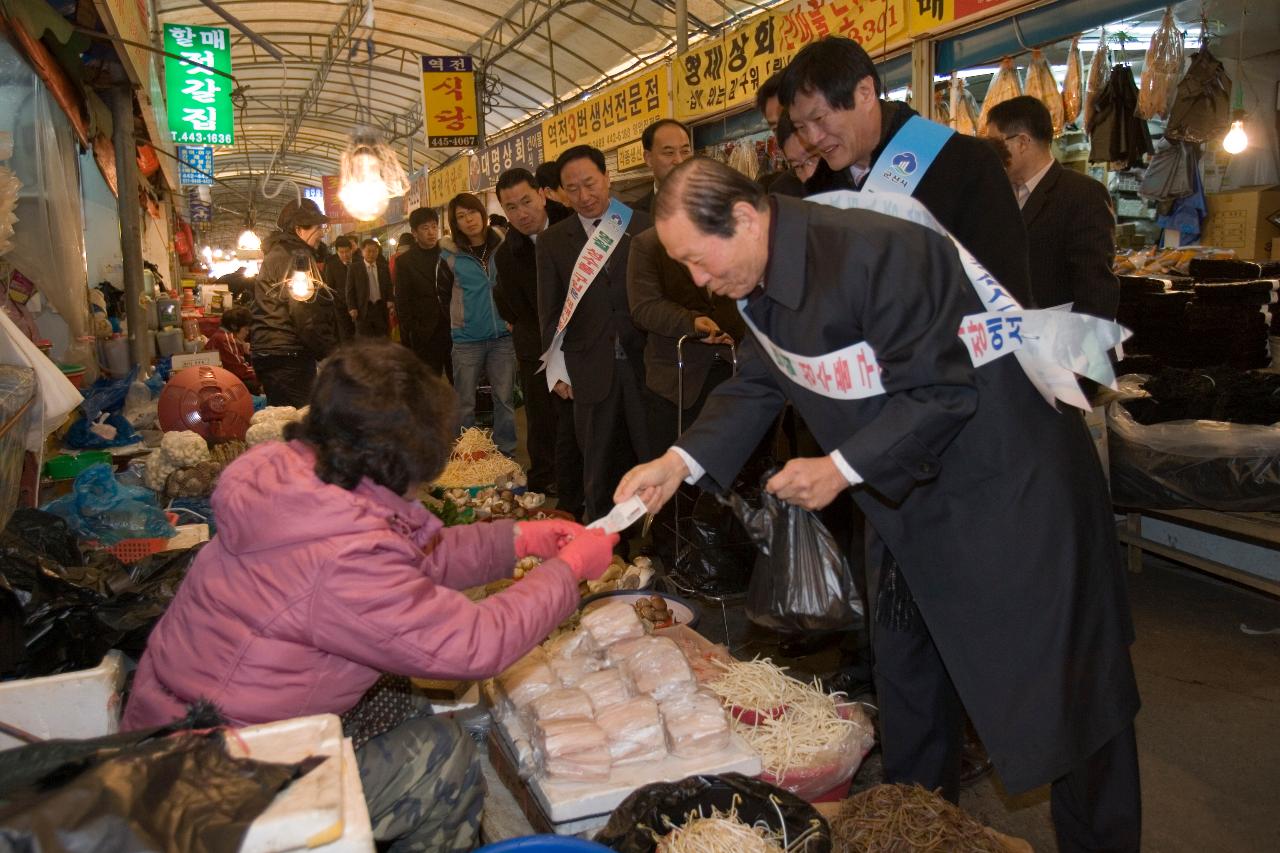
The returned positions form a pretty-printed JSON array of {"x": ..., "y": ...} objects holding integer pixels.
[
  {"x": 720, "y": 833},
  {"x": 907, "y": 819},
  {"x": 476, "y": 461},
  {"x": 796, "y": 728}
]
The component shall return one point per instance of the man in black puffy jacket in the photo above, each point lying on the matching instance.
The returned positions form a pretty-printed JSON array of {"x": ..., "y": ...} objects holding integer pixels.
[{"x": 294, "y": 325}]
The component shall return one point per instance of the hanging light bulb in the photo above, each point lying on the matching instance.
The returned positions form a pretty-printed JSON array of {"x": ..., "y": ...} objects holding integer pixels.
[
  {"x": 301, "y": 285},
  {"x": 248, "y": 241},
  {"x": 1236, "y": 139},
  {"x": 371, "y": 175}
]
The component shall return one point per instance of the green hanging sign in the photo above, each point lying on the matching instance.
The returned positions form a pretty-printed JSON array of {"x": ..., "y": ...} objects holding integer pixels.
[{"x": 199, "y": 100}]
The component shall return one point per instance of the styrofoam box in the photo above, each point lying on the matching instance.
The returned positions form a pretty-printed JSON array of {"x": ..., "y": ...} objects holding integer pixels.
[
  {"x": 314, "y": 811},
  {"x": 81, "y": 704}
]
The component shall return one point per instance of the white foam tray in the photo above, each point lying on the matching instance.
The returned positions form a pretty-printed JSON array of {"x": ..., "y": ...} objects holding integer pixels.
[
  {"x": 75, "y": 705},
  {"x": 310, "y": 812},
  {"x": 573, "y": 801}
]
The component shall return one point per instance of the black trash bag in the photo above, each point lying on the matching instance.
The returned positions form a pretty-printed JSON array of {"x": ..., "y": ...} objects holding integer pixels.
[
  {"x": 802, "y": 581},
  {"x": 650, "y": 809},
  {"x": 74, "y": 612},
  {"x": 715, "y": 554},
  {"x": 140, "y": 791}
]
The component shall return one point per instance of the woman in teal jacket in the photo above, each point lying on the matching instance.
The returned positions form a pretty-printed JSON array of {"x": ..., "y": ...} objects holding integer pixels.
[{"x": 481, "y": 338}]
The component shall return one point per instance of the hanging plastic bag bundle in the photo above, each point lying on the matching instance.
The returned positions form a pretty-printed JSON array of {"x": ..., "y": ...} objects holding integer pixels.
[
  {"x": 1073, "y": 85},
  {"x": 1099, "y": 74},
  {"x": 1161, "y": 68},
  {"x": 964, "y": 109},
  {"x": 1042, "y": 87},
  {"x": 1004, "y": 86}
]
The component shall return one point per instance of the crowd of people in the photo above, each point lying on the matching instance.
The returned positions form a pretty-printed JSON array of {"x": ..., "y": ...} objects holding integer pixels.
[{"x": 990, "y": 561}]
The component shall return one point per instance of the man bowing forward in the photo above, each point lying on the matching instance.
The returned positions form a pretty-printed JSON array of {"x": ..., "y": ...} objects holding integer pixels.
[{"x": 1012, "y": 599}]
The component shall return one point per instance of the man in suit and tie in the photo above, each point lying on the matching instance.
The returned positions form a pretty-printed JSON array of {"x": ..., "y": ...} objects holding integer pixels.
[
  {"x": 1069, "y": 219},
  {"x": 369, "y": 291},
  {"x": 603, "y": 351}
]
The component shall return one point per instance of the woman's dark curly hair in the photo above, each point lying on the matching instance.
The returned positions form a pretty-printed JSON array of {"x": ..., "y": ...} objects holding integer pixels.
[{"x": 377, "y": 411}]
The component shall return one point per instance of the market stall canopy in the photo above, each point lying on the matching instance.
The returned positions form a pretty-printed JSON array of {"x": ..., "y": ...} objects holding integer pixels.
[{"x": 346, "y": 61}]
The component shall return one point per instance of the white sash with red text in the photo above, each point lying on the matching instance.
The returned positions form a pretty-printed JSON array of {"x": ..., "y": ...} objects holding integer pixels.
[{"x": 595, "y": 253}]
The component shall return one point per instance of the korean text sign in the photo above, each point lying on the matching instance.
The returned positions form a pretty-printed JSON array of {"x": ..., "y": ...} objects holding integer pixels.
[
  {"x": 449, "y": 180},
  {"x": 450, "y": 110},
  {"x": 611, "y": 118},
  {"x": 524, "y": 150},
  {"x": 195, "y": 164},
  {"x": 199, "y": 100},
  {"x": 724, "y": 73}
]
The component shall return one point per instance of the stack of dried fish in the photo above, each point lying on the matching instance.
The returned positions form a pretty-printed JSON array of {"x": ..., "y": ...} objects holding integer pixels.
[
  {"x": 1099, "y": 74},
  {"x": 1041, "y": 86},
  {"x": 964, "y": 110},
  {"x": 1004, "y": 86},
  {"x": 1161, "y": 69},
  {"x": 1073, "y": 85}
]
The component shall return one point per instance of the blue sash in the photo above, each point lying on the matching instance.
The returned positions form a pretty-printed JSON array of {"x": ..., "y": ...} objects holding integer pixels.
[{"x": 907, "y": 157}]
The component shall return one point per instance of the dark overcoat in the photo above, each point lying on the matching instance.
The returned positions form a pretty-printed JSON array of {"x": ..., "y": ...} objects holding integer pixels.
[
  {"x": 603, "y": 314},
  {"x": 1071, "y": 234},
  {"x": 992, "y": 501},
  {"x": 966, "y": 189}
]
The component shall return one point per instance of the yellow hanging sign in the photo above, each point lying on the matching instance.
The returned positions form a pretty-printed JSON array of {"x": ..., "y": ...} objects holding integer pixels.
[
  {"x": 447, "y": 181},
  {"x": 611, "y": 118}
]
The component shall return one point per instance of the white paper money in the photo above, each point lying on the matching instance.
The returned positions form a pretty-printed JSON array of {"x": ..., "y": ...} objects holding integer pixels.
[{"x": 621, "y": 517}]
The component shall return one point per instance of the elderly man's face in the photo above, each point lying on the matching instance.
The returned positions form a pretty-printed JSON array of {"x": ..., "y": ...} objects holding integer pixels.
[
  {"x": 726, "y": 266},
  {"x": 586, "y": 187}
]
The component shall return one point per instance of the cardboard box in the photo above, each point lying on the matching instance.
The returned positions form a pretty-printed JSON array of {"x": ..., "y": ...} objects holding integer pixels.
[{"x": 1238, "y": 220}]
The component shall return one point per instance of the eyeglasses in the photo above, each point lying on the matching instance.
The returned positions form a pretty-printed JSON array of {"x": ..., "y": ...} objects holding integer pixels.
[{"x": 805, "y": 163}]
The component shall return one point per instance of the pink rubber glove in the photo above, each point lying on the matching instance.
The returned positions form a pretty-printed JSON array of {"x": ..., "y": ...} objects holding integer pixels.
[
  {"x": 544, "y": 538},
  {"x": 589, "y": 553}
]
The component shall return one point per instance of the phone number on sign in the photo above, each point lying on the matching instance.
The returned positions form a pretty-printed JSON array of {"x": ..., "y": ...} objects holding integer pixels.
[{"x": 202, "y": 138}]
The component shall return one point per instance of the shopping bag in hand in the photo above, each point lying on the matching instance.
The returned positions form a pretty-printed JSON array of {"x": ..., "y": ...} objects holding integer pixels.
[{"x": 801, "y": 580}]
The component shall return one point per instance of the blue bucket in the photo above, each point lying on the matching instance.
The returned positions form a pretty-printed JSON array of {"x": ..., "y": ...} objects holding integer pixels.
[{"x": 544, "y": 844}]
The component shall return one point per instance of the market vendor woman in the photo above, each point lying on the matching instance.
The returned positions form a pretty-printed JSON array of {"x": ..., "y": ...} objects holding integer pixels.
[{"x": 325, "y": 573}]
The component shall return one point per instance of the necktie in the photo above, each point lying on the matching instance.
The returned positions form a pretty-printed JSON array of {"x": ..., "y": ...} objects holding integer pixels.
[
  {"x": 1022, "y": 193},
  {"x": 595, "y": 224}
]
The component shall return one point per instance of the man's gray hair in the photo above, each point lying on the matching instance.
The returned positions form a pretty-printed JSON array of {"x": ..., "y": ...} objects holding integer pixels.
[{"x": 706, "y": 191}]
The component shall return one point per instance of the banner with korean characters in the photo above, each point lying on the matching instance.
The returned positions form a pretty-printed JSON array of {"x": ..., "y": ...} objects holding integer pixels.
[
  {"x": 447, "y": 181},
  {"x": 195, "y": 165},
  {"x": 524, "y": 150},
  {"x": 631, "y": 156},
  {"x": 725, "y": 73},
  {"x": 199, "y": 100},
  {"x": 611, "y": 118},
  {"x": 450, "y": 110}
]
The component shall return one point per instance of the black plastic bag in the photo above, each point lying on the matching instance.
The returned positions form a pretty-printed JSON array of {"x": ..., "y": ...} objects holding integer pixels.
[
  {"x": 76, "y": 605},
  {"x": 802, "y": 580},
  {"x": 655, "y": 808},
  {"x": 715, "y": 554},
  {"x": 138, "y": 791}
]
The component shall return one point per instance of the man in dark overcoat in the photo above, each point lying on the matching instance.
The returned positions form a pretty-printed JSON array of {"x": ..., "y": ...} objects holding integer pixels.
[
  {"x": 989, "y": 499},
  {"x": 554, "y": 457},
  {"x": 603, "y": 349},
  {"x": 831, "y": 92},
  {"x": 424, "y": 322},
  {"x": 1069, "y": 217}
]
